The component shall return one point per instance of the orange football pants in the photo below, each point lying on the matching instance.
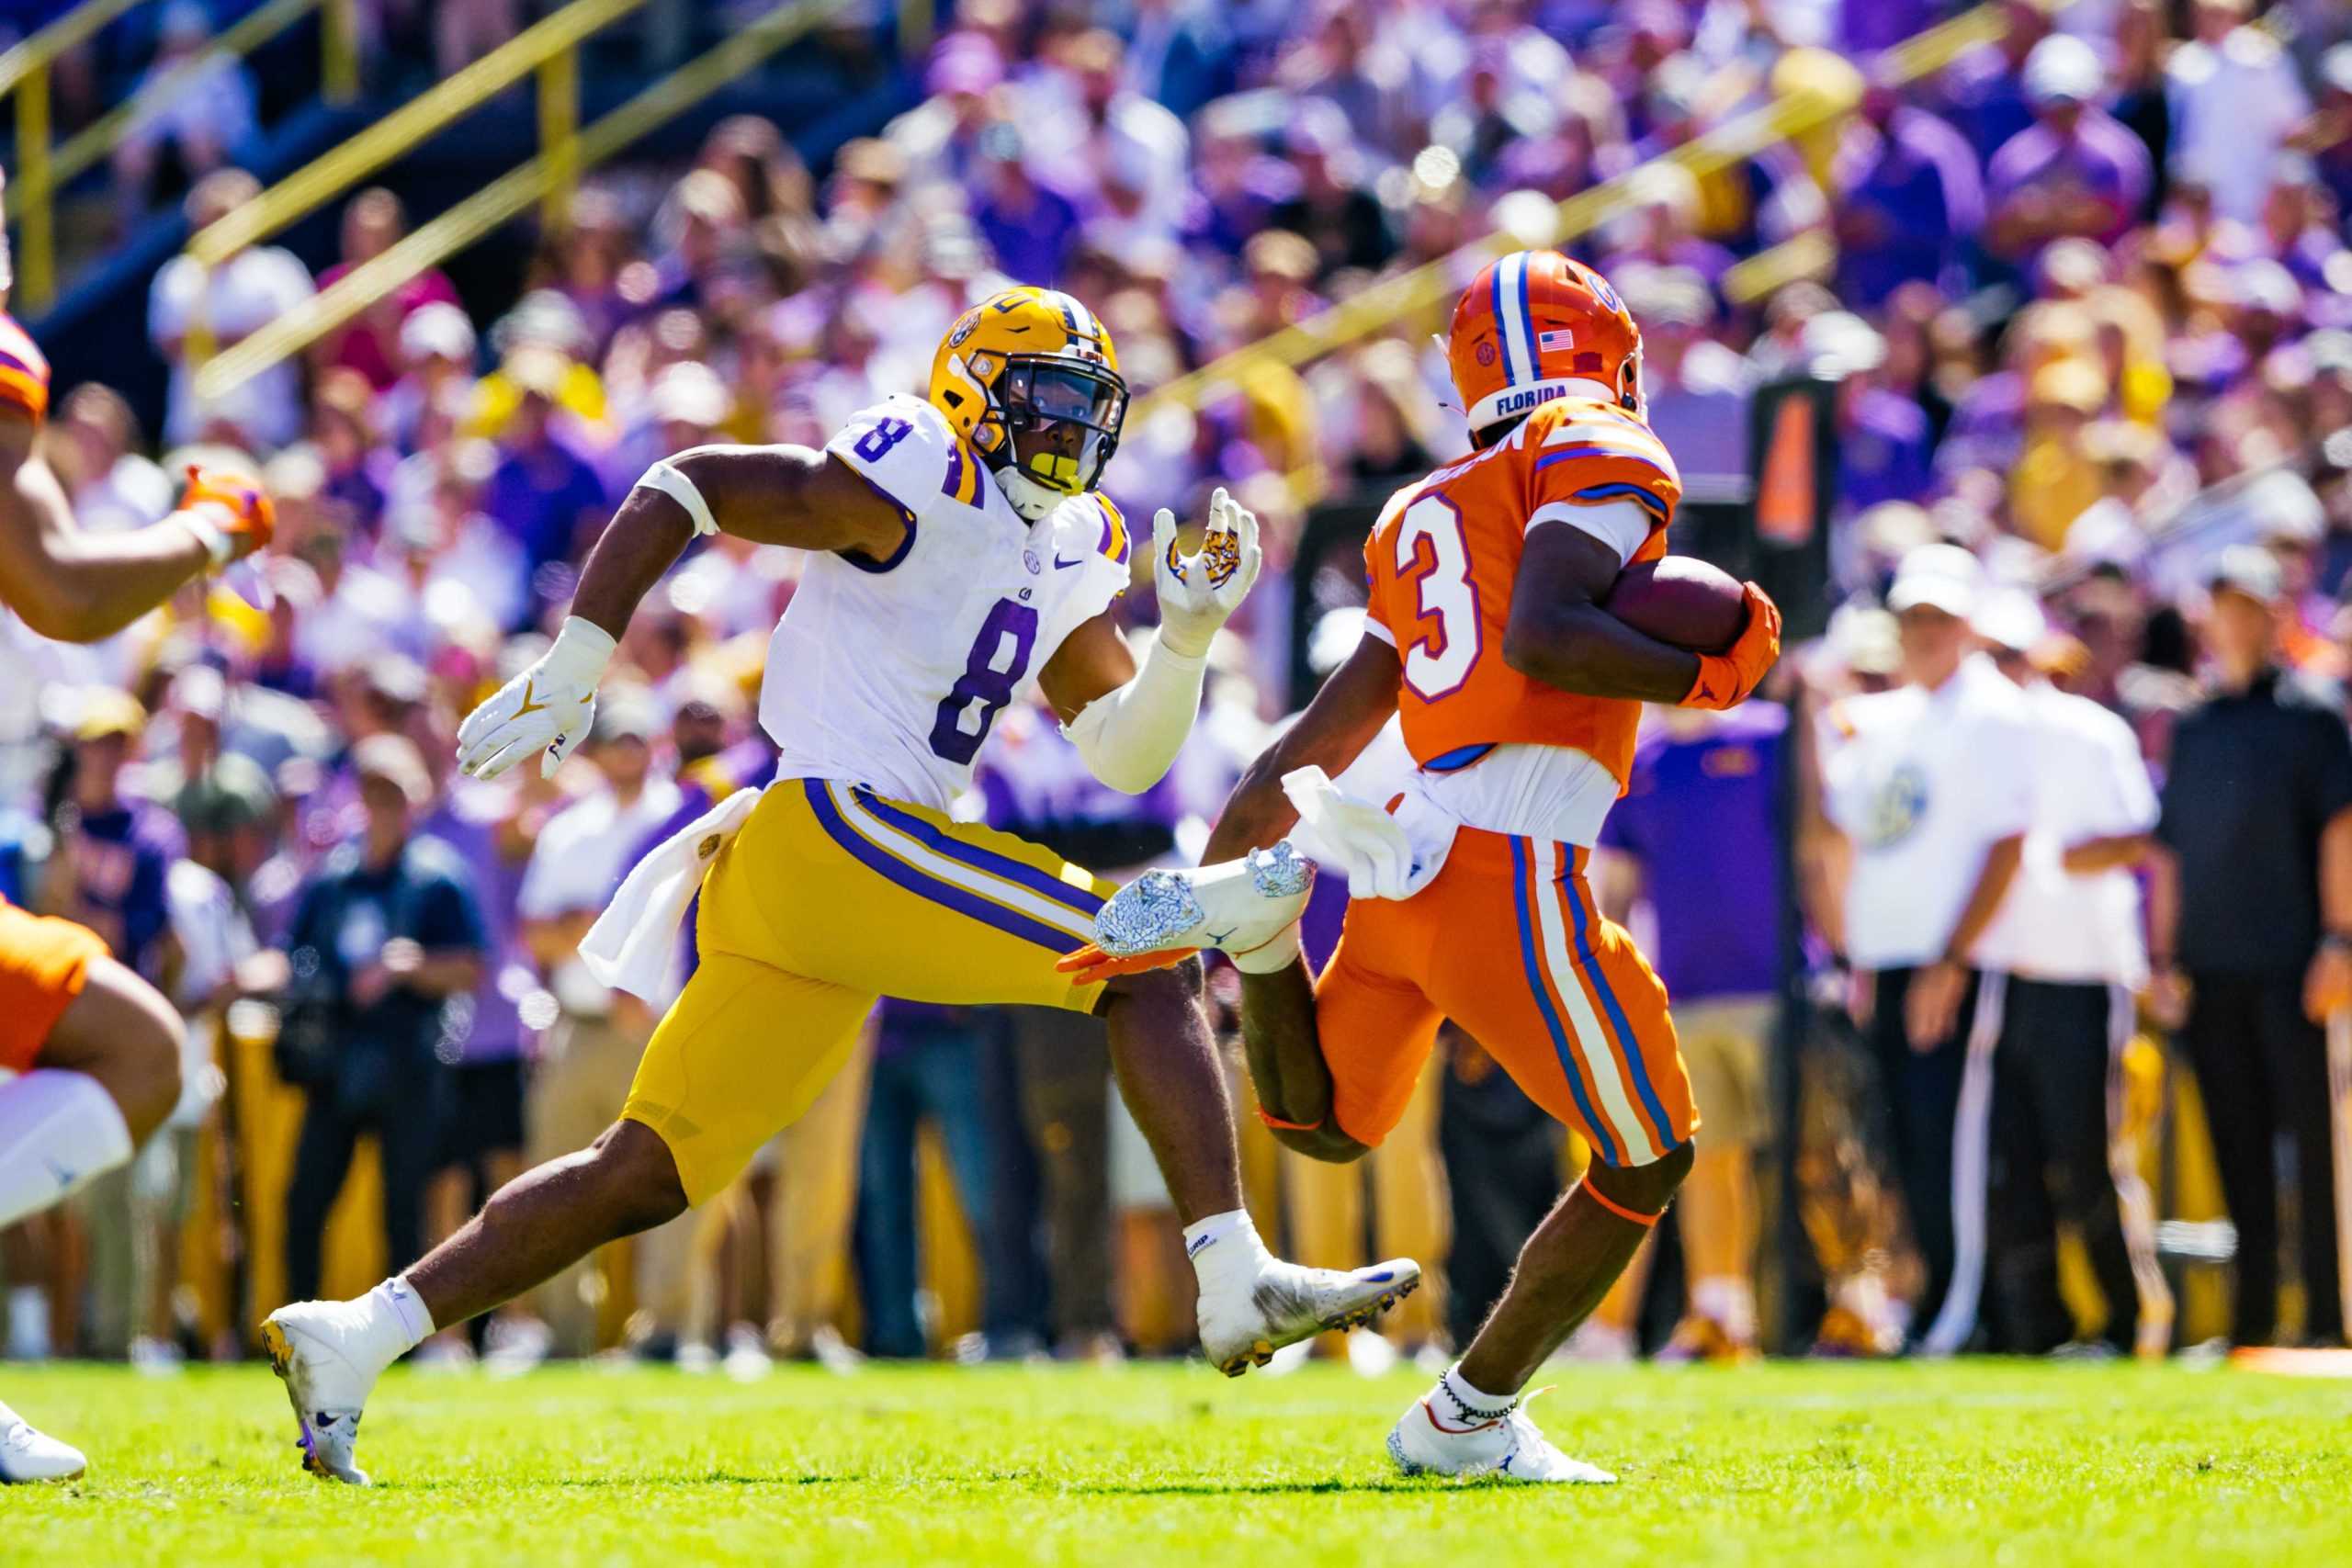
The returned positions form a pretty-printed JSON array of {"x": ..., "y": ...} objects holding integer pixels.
[
  {"x": 44, "y": 962},
  {"x": 1507, "y": 943}
]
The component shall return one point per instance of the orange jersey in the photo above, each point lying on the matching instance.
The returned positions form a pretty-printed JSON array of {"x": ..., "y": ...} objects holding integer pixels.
[
  {"x": 24, "y": 371},
  {"x": 1444, "y": 558}
]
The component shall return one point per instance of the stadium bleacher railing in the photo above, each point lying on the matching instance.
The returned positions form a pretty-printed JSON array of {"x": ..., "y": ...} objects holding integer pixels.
[
  {"x": 542, "y": 180},
  {"x": 549, "y": 49},
  {"x": 42, "y": 169}
]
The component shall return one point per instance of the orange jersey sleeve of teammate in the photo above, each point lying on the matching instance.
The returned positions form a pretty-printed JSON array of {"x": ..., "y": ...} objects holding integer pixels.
[
  {"x": 24, "y": 371},
  {"x": 1443, "y": 560}
]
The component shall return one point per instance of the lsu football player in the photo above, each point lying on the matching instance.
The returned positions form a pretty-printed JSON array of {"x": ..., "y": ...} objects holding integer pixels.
[
  {"x": 89, "y": 1052},
  {"x": 957, "y": 549},
  {"x": 1518, "y": 698}
]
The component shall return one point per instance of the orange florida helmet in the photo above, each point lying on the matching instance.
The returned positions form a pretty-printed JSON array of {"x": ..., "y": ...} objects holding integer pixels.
[{"x": 1537, "y": 326}]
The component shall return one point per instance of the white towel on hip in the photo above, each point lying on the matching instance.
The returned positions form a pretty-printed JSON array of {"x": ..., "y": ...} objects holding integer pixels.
[{"x": 632, "y": 944}]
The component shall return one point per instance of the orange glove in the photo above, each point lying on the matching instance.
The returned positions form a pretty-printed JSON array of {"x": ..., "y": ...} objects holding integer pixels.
[
  {"x": 1726, "y": 678},
  {"x": 1093, "y": 965},
  {"x": 237, "y": 510}
]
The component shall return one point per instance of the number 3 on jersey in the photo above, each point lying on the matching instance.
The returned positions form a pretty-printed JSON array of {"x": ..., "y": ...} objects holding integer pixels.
[
  {"x": 1431, "y": 555},
  {"x": 993, "y": 672}
]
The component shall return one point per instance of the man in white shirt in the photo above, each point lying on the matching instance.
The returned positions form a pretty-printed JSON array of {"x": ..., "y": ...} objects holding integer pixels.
[
  {"x": 2235, "y": 98},
  {"x": 227, "y": 304},
  {"x": 590, "y": 1050},
  {"x": 1930, "y": 784},
  {"x": 2068, "y": 937}
]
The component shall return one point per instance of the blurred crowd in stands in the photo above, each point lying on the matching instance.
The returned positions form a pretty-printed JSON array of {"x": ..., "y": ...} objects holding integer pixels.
[{"x": 2086, "y": 299}]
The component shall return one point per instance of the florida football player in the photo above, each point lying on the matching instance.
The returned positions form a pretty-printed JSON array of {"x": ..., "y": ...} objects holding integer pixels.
[
  {"x": 957, "y": 549},
  {"x": 89, "y": 1052},
  {"x": 1519, "y": 697}
]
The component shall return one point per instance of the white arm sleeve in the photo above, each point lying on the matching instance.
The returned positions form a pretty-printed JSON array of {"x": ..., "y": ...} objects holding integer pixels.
[
  {"x": 1621, "y": 525},
  {"x": 1129, "y": 737}
]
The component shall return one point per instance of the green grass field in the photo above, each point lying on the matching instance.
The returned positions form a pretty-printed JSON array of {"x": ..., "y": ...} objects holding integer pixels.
[{"x": 2118, "y": 1466}]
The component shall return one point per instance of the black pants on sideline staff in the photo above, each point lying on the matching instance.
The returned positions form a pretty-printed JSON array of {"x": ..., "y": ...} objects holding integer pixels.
[
  {"x": 2057, "y": 1108},
  {"x": 409, "y": 1140},
  {"x": 1924, "y": 1100},
  {"x": 2262, "y": 1070}
]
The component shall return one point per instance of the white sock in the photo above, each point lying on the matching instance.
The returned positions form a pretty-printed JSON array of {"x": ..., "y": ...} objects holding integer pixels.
[
  {"x": 57, "y": 1131},
  {"x": 1470, "y": 1405},
  {"x": 1226, "y": 1252},
  {"x": 1274, "y": 957},
  {"x": 1729, "y": 1299},
  {"x": 28, "y": 1323},
  {"x": 393, "y": 1301}
]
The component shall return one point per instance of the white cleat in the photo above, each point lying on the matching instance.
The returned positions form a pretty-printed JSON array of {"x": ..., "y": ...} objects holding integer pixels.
[
  {"x": 27, "y": 1455},
  {"x": 330, "y": 1355},
  {"x": 1507, "y": 1447},
  {"x": 1287, "y": 1304},
  {"x": 1236, "y": 906}
]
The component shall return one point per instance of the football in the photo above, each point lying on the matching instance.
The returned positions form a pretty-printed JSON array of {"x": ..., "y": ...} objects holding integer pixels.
[{"x": 1680, "y": 600}]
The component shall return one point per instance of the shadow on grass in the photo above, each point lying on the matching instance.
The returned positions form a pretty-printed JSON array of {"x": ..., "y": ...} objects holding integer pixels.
[{"x": 1236, "y": 1488}]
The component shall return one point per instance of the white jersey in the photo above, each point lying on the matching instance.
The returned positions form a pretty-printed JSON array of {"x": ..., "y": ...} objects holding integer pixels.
[
  {"x": 1923, "y": 782},
  {"x": 2089, "y": 781},
  {"x": 890, "y": 674}
]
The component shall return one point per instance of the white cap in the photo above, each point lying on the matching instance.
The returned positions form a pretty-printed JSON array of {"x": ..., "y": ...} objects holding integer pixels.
[
  {"x": 1942, "y": 577},
  {"x": 439, "y": 329},
  {"x": 2062, "y": 67},
  {"x": 2010, "y": 618}
]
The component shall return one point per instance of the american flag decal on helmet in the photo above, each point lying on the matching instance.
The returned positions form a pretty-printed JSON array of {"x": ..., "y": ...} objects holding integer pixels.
[{"x": 1553, "y": 340}]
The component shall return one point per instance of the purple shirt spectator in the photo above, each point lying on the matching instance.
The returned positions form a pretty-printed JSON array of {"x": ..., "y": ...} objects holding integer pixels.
[
  {"x": 1883, "y": 446},
  {"x": 1030, "y": 228},
  {"x": 2102, "y": 159},
  {"x": 538, "y": 494},
  {"x": 1911, "y": 194},
  {"x": 120, "y": 860},
  {"x": 1709, "y": 801}
]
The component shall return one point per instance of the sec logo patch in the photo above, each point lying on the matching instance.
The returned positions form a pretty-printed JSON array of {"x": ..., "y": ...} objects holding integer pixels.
[{"x": 1486, "y": 351}]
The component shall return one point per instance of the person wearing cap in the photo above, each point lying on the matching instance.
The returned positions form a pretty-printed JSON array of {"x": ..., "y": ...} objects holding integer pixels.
[
  {"x": 112, "y": 850},
  {"x": 2251, "y": 930},
  {"x": 2068, "y": 938},
  {"x": 437, "y": 368},
  {"x": 2076, "y": 171},
  {"x": 1930, "y": 785},
  {"x": 589, "y": 1049},
  {"x": 543, "y": 492},
  {"x": 384, "y": 937}
]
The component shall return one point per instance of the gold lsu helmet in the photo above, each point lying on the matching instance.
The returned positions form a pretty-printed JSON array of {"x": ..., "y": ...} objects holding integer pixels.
[{"x": 1021, "y": 359}]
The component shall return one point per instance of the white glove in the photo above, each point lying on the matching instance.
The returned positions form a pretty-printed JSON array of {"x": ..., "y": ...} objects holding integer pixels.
[
  {"x": 1198, "y": 592},
  {"x": 1385, "y": 854},
  {"x": 546, "y": 709}
]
